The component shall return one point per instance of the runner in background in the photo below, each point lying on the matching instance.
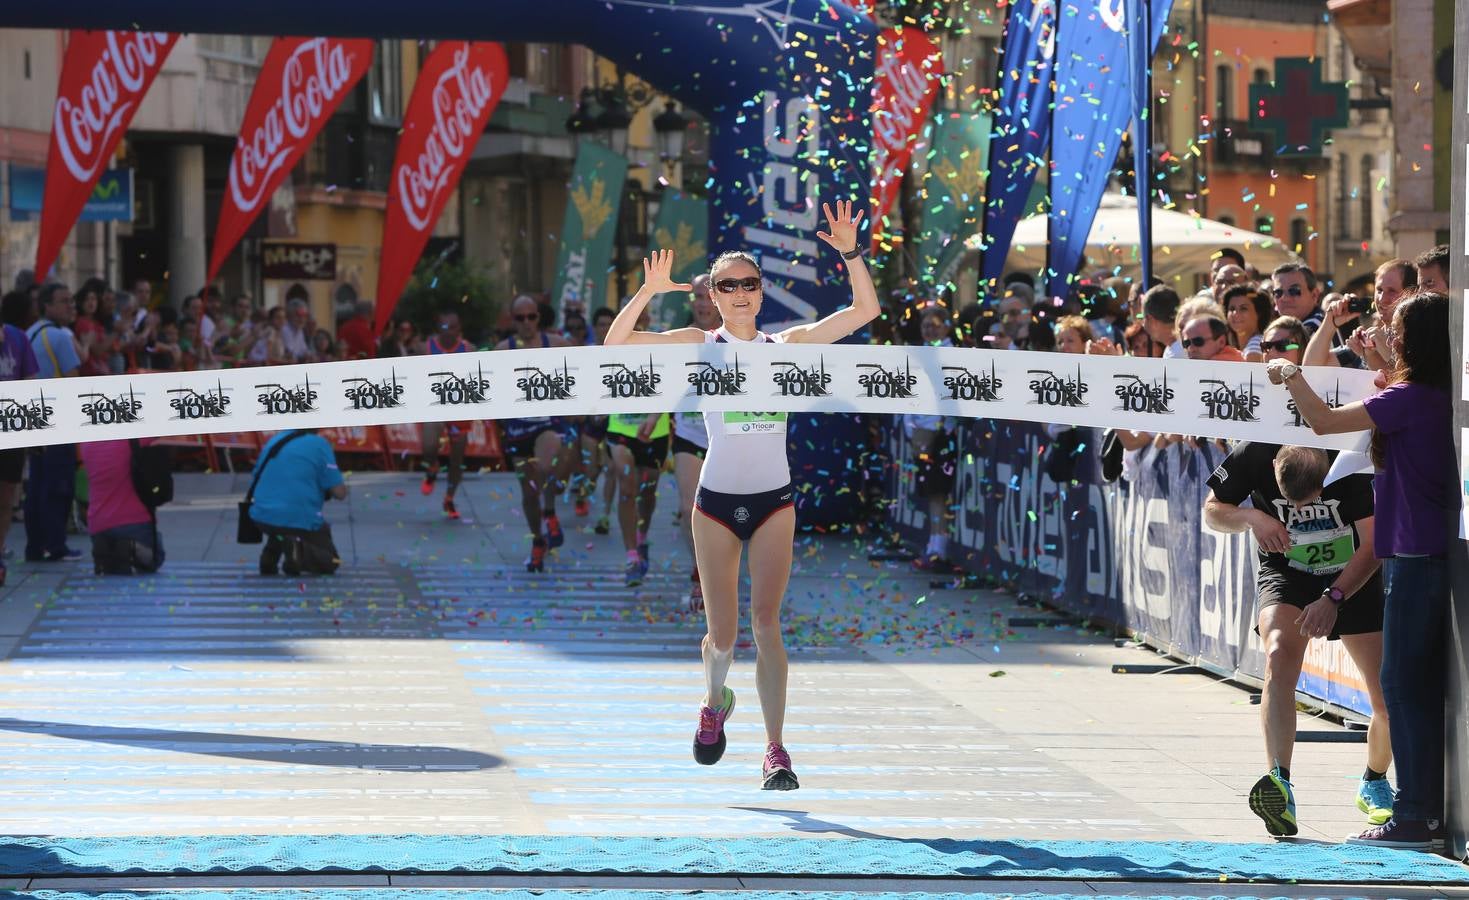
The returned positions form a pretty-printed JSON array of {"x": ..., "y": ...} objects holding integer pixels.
[
  {"x": 1317, "y": 578},
  {"x": 533, "y": 446},
  {"x": 691, "y": 441},
  {"x": 591, "y": 442},
  {"x": 933, "y": 443},
  {"x": 639, "y": 447},
  {"x": 745, "y": 493},
  {"x": 447, "y": 339}
]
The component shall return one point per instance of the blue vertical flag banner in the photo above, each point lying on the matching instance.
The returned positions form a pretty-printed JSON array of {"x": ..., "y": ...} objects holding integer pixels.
[
  {"x": 1020, "y": 131},
  {"x": 1094, "y": 101},
  {"x": 1144, "y": 17}
]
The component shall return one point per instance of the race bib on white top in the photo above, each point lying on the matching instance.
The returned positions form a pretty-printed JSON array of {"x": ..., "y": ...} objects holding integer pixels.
[{"x": 754, "y": 423}]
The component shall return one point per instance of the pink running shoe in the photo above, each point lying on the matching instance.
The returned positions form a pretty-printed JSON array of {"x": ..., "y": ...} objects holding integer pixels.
[
  {"x": 709, "y": 739},
  {"x": 777, "y": 770}
]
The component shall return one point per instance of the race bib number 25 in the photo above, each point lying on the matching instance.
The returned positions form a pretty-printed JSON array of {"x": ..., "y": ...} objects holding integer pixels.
[{"x": 1323, "y": 552}]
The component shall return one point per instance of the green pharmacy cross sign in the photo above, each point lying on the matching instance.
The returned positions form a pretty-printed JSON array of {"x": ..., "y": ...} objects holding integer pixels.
[{"x": 1298, "y": 108}]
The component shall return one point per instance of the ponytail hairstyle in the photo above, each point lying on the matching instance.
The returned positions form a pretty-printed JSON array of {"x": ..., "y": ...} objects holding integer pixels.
[{"x": 732, "y": 256}]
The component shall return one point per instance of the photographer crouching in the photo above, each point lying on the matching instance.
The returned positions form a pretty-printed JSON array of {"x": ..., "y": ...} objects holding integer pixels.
[
  {"x": 1416, "y": 501},
  {"x": 294, "y": 477}
]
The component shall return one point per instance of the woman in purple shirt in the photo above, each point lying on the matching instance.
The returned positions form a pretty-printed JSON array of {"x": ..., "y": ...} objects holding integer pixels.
[{"x": 1417, "y": 500}]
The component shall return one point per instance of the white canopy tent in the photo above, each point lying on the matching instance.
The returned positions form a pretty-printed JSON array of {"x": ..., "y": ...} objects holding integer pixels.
[{"x": 1183, "y": 243}]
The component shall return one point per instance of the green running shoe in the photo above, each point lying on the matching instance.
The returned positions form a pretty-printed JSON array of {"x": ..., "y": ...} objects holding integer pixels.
[
  {"x": 1374, "y": 799},
  {"x": 1273, "y": 800}
]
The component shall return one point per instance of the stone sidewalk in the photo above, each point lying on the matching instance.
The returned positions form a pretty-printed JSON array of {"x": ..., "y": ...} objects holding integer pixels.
[{"x": 435, "y": 687}]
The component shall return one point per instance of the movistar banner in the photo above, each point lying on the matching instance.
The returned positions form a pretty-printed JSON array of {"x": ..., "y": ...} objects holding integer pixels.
[
  {"x": 1021, "y": 128},
  {"x": 952, "y": 189},
  {"x": 1094, "y": 105},
  {"x": 584, "y": 264},
  {"x": 682, "y": 226},
  {"x": 1223, "y": 400},
  {"x": 111, "y": 199}
]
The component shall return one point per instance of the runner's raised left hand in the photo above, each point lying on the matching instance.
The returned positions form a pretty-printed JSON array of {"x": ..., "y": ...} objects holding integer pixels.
[{"x": 843, "y": 225}]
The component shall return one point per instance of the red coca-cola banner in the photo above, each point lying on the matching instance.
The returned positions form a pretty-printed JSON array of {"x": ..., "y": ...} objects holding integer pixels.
[
  {"x": 301, "y": 83},
  {"x": 457, "y": 90},
  {"x": 904, "y": 86},
  {"x": 103, "y": 79}
]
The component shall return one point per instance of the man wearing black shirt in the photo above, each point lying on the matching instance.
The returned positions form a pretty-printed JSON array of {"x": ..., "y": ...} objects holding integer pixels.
[{"x": 1317, "y": 577}]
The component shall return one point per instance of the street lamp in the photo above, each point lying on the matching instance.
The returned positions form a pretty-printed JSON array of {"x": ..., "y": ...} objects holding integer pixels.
[
  {"x": 670, "y": 127},
  {"x": 615, "y": 119},
  {"x": 584, "y": 119}
]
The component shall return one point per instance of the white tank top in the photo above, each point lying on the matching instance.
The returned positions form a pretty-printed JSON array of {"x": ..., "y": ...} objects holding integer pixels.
[
  {"x": 690, "y": 427},
  {"x": 747, "y": 450}
]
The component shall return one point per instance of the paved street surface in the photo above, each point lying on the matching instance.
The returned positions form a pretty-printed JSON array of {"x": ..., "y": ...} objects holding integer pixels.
[{"x": 433, "y": 686}]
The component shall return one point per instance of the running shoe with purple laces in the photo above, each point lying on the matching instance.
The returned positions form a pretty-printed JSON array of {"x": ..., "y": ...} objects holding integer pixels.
[
  {"x": 1404, "y": 835},
  {"x": 777, "y": 772},
  {"x": 709, "y": 740}
]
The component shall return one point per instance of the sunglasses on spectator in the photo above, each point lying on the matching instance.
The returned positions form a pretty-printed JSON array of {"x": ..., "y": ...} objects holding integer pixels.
[
  {"x": 1196, "y": 341},
  {"x": 730, "y": 285},
  {"x": 527, "y": 317},
  {"x": 1279, "y": 346},
  {"x": 1295, "y": 291}
]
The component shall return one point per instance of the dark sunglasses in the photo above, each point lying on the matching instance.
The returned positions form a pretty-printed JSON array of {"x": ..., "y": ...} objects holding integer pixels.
[
  {"x": 527, "y": 317},
  {"x": 1295, "y": 291},
  {"x": 1196, "y": 341},
  {"x": 730, "y": 285},
  {"x": 1279, "y": 346}
]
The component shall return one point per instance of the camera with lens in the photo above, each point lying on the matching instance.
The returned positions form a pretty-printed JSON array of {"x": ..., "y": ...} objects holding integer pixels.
[{"x": 1358, "y": 304}]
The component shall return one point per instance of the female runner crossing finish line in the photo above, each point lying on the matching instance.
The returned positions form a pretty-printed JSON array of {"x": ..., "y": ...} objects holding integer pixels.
[{"x": 745, "y": 491}]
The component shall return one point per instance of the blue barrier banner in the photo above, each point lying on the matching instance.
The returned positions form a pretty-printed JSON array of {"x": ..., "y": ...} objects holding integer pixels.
[
  {"x": 1020, "y": 130},
  {"x": 1094, "y": 105},
  {"x": 1133, "y": 553}
]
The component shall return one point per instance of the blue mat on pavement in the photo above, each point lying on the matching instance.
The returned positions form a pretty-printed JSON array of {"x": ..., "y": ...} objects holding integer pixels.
[{"x": 790, "y": 857}]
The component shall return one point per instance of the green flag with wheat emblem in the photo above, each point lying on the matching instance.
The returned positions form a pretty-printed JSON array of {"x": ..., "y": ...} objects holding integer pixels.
[
  {"x": 952, "y": 195},
  {"x": 584, "y": 264}
]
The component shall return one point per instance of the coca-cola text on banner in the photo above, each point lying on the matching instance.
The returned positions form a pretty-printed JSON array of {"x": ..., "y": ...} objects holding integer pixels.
[
  {"x": 458, "y": 88},
  {"x": 104, "y": 77},
  {"x": 301, "y": 83},
  {"x": 904, "y": 86}
]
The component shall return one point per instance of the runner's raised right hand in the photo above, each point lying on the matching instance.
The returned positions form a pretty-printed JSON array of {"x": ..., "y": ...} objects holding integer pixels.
[{"x": 657, "y": 273}]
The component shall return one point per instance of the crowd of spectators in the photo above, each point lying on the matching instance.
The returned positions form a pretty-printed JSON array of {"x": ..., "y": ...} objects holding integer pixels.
[
  {"x": 1227, "y": 319},
  {"x": 1238, "y": 315},
  {"x": 116, "y": 332}
]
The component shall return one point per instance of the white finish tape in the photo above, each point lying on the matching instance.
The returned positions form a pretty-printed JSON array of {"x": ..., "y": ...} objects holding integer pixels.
[{"x": 1224, "y": 400}]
